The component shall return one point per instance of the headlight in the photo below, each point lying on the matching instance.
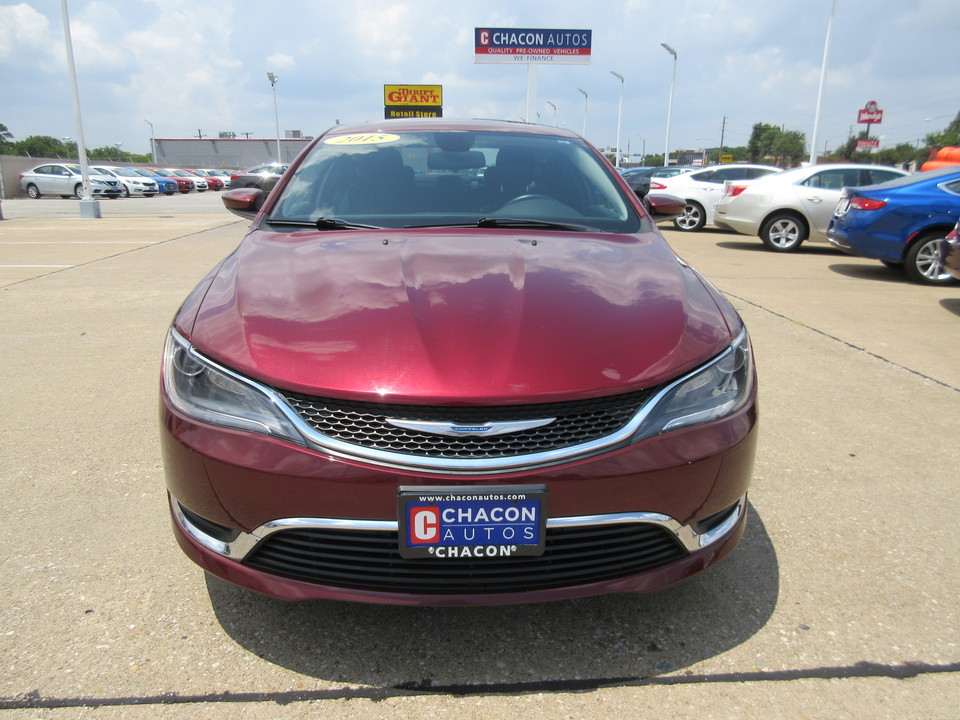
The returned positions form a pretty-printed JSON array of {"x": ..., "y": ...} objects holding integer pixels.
[
  {"x": 202, "y": 390},
  {"x": 717, "y": 390}
]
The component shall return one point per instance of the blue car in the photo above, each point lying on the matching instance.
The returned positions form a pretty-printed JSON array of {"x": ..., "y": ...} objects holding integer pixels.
[
  {"x": 902, "y": 222},
  {"x": 165, "y": 185}
]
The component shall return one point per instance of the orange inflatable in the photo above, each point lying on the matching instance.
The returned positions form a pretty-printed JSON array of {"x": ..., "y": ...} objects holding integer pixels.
[{"x": 945, "y": 158}]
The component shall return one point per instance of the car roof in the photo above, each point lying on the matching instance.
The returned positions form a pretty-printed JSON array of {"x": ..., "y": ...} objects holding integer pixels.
[
  {"x": 448, "y": 125},
  {"x": 804, "y": 171},
  {"x": 922, "y": 177}
]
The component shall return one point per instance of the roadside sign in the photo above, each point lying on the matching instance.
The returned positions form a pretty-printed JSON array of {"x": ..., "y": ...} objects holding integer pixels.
[
  {"x": 726, "y": 159},
  {"x": 870, "y": 114},
  {"x": 517, "y": 45},
  {"x": 411, "y": 101}
]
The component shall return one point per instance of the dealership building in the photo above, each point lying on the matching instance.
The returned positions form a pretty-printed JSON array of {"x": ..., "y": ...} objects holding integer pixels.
[{"x": 226, "y": 153}]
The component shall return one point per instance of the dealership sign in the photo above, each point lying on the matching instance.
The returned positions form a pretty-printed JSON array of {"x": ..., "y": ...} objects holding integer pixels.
[
  {"x": 870, "y": 114},
  {"x": 514, "y": 45},
  {"x": 868, "y": 144},
  {"x": 410, "y": 101}
]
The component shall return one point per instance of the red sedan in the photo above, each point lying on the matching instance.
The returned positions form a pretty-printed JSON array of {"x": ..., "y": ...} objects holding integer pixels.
[{"x": 455, "y": 363}]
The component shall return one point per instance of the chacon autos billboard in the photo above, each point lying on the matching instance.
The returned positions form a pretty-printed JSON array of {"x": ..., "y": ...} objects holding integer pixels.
[{"x": 509, "y": 45}]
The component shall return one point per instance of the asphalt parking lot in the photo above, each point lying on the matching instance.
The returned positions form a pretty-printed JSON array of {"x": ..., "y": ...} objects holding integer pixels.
[{"x": 841, "y": 601}]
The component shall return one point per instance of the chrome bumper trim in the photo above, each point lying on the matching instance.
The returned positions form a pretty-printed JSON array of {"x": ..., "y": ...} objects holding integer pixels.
[{"x": 238, "y": 549}]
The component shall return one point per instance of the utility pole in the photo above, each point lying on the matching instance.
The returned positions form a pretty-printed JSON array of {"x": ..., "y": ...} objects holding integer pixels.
[{"x": 723, "y": 128}]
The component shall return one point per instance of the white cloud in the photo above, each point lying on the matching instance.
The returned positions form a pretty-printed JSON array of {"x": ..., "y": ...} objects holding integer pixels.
[{"x": 187, "y": 66}]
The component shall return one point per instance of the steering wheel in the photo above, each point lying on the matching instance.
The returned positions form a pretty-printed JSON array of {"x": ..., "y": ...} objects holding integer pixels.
[{"x": 529, "y": 196}]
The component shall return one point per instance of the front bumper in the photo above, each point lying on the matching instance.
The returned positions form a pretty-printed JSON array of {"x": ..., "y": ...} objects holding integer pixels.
[
  {"x": 233, "y": 491},
  {"x": 327, "y": 575}
]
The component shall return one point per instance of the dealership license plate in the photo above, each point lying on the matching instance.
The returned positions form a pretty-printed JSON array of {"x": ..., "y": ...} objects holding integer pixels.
[{"x": 472, "y": 523}]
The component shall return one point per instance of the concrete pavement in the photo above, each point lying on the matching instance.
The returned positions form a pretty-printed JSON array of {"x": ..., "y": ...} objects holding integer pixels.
[{"x": 841, "y": 602}]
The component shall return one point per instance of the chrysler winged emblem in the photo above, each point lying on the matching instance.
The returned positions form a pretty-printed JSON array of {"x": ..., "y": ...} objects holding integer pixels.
[{"x": 464, "y": 429}]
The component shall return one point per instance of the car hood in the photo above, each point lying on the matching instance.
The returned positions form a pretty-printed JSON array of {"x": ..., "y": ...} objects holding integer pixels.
[{"x": 457, "y": 316}]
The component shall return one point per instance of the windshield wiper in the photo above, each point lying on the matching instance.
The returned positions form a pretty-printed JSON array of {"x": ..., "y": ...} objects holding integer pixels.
[
  {"x": 321, "y": 224},
  {"x": 290, "y": 223},
  {"x": 508, "y": 222},
  {"x": 505, "y": 222},
  {"x": 338, "y": 224}
]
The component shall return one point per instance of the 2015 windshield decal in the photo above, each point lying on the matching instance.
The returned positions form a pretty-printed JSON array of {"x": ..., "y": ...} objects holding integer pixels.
[{"x": 362, "y": 139}]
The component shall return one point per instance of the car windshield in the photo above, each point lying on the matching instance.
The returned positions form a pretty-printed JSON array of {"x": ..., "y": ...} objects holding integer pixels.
[{"x": 435, "y": 179}]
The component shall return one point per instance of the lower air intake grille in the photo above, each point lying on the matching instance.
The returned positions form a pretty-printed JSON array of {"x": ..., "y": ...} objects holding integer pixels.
[{"x": 366, "y": 560}]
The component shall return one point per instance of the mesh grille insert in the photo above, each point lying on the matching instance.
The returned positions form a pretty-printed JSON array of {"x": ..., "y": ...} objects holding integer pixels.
[
  {"x": 366, "y": 560},
  {"x": 365, "y": 425}
]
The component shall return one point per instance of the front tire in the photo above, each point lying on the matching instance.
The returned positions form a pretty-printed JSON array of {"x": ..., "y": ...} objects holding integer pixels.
[
  {"x": 693, "y": 217},
  {"x": 33, "y": 192},
  {"x": 124, "y": 191},
  {"x": 783, "y": 233},
  {"x": 922, "y": 263},
  {"x": 78, "y": 191}
]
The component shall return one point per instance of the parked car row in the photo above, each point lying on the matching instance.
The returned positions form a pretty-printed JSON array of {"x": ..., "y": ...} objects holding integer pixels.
[
  {"x": 65, "y": 180},
  {"x": 884, "y": 213}
]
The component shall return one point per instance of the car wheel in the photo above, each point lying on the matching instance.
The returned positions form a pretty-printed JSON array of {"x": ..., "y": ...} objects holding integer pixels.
[
  {"x": 78, "y": 191},
  {"x": 783, "y": 233},
  {"x": 922, "y": 263},
  {"x": 33, "y": 191},
  {"x": 124, "y": 191},
  {"x": 692, "y": 218}
]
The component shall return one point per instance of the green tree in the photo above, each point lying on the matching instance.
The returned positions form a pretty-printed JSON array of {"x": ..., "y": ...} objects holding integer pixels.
[
  {"x": 762, "y": 141},
  {"x": 897, "y": 155},
  {"x": 41, "y": 146},
  {"x": 6, "y": 146},
  {"x": 950, "y": 136},
  {"x": 770, "y": 143},
  {"x": 789, "y": 148}
]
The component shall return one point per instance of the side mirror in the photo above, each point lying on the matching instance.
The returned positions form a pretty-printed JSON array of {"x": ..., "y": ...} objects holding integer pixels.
[
  {"x": 664, "y": 206},
  {"x": 244, "y": 202}
]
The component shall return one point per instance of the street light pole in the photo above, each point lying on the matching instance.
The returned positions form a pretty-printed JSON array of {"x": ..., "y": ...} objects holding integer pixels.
[
  {"x": 673, "y": 82},
  {"x": 153, "y": 144},
  {"x": 554, "y": 112},
  {"x": 823, "y": 78},
  {"x": 89, "y": 206},
  {"x": 585, "y": 100},
  {"x": 619, "y": 112},
  {"x": 276, "y": 115},
  {"x": 643, "y": 152}
]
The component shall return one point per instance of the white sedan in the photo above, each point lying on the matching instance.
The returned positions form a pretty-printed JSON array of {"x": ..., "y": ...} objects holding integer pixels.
[
  {"x": 131, "y": 183},
  {"x": 701, "y": 189},
  {"x": 789, "y": 207}
]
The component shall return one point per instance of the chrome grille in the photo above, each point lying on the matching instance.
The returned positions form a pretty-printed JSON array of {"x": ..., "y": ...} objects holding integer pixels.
[
  {"x": 365, "y": 425},
  {"x": 370, "y": 560}
]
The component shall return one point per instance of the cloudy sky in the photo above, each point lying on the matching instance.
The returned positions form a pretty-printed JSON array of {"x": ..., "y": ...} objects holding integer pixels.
[{"x": 193, "y": 67}]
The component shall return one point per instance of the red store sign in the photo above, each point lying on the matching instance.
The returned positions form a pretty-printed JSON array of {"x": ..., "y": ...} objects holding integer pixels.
[{"x": 870, "y": 114}]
